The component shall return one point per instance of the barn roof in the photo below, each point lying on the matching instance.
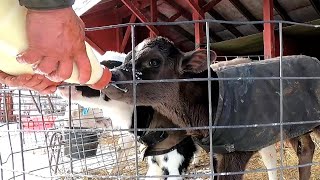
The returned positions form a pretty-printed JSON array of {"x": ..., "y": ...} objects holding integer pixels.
[{"x": 227, "y": 38}]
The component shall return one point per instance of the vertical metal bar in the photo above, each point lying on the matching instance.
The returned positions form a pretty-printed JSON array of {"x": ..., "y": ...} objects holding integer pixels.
[
  {"x": 81, "y": 135},
  {"x": 1, "y": 170},
  {"x": 45, "y": 133},
  {"x": 50, "y": 104},
  {"x": 70, "y": 124},
  {"x": 209, "y": 96},
  {"x": 115, "y": 149},
  {"x": 35, "y": 102},
  {"x": 8, "y": 128},
  {"x": 281, "y": 102},
  {"x": 20, "y": 134},
  {"x": 134, "y": 91}
]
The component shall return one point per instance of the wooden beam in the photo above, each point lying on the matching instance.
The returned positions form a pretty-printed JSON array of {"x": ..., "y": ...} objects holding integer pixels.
[
  {"x": 175, "y": 16},
  {"x": 179, "y": 29},
  {"x": 216, "y": 15},
  {"x": 139, "y": 15},
  {"x": 94, "y": 45},
  {"x": 197, "y": 14},
  {"x": 154, "y": 13},
  {"x": 210, "y": 5},
  {"x": 316, "y": 5},
  {"x": 180, "y": 9},
  {"x": 124, "y": 43},
  {"x": 229, "y": 27},
  {"x": 268, "y": 32},
  {"x": 281, "y": 11},
  {"x": 244, "y": 11},
  {"x": 124, "y": 13},
  {"x": 188, "y": 16},
  {"x": 195, "y": 8}
]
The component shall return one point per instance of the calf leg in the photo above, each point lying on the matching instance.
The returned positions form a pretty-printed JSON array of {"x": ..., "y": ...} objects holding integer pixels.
[
  {"x": 304, "y": 148},
  {"x": 269, "y": 158},
  {"x": 154, "y": 169},
  {"x": 233, "y": 162}
]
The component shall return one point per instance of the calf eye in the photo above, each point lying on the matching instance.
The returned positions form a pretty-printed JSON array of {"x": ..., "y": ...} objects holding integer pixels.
[{"x": 154, "y": 63}]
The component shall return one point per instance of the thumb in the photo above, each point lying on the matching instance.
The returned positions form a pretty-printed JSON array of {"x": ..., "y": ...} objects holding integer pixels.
[
  {"x": 29, "y": 56},
  {"x": 84, "y": 67}
]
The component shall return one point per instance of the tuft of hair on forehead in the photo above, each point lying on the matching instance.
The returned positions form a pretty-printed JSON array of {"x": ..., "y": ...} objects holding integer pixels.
[{"x": 164, "y": 45}]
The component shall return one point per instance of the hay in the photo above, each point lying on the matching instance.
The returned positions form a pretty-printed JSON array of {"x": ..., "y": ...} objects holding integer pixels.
[{"x": 290, "y": 159}]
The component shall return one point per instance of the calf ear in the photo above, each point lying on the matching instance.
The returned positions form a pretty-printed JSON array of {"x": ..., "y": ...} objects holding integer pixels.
[
  {"x": 196, "y": 61},
  {"x": 111, "y": 64}
]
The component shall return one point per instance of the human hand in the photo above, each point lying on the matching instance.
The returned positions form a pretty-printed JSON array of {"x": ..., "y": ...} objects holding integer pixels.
[
  {"x": 34, "y": 82},
  {"x": 56, "y": 41}
]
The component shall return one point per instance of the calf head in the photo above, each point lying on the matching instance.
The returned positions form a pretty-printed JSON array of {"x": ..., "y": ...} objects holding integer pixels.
[{"x": 156, "y": 59}]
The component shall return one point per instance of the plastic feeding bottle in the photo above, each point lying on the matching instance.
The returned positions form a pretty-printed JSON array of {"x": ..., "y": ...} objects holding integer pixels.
[{"x": 13, "y": 40}]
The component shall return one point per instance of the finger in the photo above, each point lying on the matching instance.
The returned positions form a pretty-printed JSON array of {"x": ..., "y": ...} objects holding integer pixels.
[
  {"x": 49, "y": 90},
  {"x": 29, "y": 56},
  {"x": 104, "y": 80},
  {"x": 84, "y": 67},
  {"x": 11, "y": 81},
  {"x": 22, "y": 80},
  {"x": 34, "y": 81},
  {"x": 3, "y": 76},
  {"x": 47, "y": 66},
  {"x": 42, "y": 85},
  {"x": 63, "y": 71}
]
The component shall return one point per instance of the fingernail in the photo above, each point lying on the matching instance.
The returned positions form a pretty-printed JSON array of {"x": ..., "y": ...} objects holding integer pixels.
[
  {"x": 28, "y": 77},
  {"x": 40, "y": 77},
  {"x": 19, "y": 58}
]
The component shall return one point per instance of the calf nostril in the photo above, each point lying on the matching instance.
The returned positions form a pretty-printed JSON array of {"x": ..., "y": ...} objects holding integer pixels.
[{"x": 114, "y": 77}]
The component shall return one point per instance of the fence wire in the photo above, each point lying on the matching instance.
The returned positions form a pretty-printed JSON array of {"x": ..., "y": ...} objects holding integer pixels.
[{"x": 46, "y": 137}]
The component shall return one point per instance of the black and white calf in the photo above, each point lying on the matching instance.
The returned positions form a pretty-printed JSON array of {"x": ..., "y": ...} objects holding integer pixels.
[
  {"x": 168, "y": 153},
  {"x": 234, "y": 102}
]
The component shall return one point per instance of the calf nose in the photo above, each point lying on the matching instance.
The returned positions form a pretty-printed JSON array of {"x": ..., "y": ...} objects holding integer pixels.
[{"x": 115, "y": 76}]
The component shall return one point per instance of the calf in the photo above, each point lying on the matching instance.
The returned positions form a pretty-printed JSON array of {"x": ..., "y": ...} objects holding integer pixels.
[
  {"x": 186, "y": 103},
  {"x": 168, "y": 152}
]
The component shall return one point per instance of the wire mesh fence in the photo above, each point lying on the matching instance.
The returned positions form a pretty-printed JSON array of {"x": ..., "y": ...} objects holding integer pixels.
[{"x": 54, "y": 138}]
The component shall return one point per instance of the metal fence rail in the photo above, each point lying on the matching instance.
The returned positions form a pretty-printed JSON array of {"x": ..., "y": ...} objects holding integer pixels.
[{"x": 41, "y": 144}]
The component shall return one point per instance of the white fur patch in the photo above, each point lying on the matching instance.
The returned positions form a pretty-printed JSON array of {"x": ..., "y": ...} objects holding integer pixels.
[
  {"x": 140, "y": 46},
  {"x": 120, "y": 113},
  {"x": 112, "y": 55},
  {"x": 269, "y": 158},
  {"x": 174, "y": 161}
]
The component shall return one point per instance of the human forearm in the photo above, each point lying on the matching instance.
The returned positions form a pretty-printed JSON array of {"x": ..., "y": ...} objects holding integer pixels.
[{"x": 46, "y": 4}]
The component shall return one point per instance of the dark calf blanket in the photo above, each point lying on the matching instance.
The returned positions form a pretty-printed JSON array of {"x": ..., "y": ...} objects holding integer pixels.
[{"x": 249, "y": 102}]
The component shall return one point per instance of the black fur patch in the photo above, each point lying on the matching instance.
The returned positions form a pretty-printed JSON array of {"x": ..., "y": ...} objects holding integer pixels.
[
  {"x": 165, "y": 171},
  {"x": 106, "y": 98},
  {"x": 187, "y": 151},
  {"x": 87, "y": 91},
  {"x": 165, "y": 158},
  {"x": 110, "y": 64},
  {"x": 144, "y": 117},
  {"x": 154, "y": 160}
]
